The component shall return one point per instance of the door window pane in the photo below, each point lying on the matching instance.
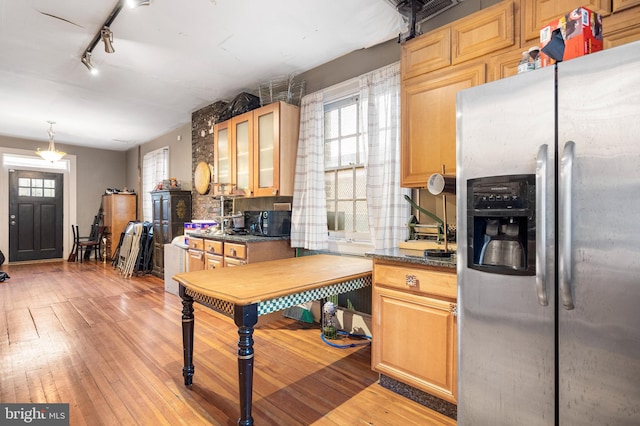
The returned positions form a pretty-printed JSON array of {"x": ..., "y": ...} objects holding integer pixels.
[{"x": 36, "y": 187}]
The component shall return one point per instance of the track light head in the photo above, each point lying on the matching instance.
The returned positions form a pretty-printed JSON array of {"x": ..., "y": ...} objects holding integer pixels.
[
  {"x": 86, "y": 60},
  {"x": 135, "y": 3},
  {"x": 107, "y": 38}
]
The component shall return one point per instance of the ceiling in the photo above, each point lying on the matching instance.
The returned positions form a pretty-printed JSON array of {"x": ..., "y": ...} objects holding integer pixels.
[{"x": 171, "y": 58}]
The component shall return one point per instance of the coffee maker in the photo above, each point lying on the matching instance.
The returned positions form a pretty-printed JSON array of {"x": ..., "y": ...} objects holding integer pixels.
[{"x": 501, "y": 224}]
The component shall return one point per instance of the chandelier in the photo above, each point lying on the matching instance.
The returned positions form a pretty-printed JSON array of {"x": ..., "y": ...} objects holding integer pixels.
[{"x": 51, "y": 154}]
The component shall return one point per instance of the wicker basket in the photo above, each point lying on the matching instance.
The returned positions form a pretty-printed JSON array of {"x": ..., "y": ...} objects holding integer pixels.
[{"x": 285, "y": 89}]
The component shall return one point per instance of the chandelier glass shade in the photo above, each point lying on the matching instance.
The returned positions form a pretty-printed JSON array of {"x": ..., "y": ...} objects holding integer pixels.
[{"x": 51, "y": 154}]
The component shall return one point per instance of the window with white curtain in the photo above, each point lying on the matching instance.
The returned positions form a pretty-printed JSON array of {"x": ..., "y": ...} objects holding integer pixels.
[
  {"x": 345, "y": 176},
  {"x": 347, "y": 186},
  {"x": 155, "y": 169}
]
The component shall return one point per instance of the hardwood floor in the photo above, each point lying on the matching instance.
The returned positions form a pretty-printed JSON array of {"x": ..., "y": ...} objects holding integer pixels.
[{"x": 112, "y": 349}]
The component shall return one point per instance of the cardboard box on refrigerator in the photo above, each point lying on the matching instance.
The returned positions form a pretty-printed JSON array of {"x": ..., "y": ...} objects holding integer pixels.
[{"x": 577, "y": 33}]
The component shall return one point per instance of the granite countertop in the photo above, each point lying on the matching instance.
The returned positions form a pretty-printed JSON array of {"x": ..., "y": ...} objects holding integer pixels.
[
  {"x": 235, "y": 238},
  {"x": 413, "y": 256}
]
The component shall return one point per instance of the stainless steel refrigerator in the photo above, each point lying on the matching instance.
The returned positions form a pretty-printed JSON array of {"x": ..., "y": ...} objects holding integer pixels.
[{"x": 548, "y": 221}]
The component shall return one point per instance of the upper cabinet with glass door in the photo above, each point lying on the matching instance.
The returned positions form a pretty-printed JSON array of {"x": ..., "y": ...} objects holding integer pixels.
[
  {"x": 222, "y": 159},
  {"x": 275, "y": 145},
  {"x": 242, "y": 153},
  {"x": 256, "y": 152}
]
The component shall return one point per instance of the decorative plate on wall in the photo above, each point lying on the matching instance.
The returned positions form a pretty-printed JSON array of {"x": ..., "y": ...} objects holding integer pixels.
[{"x": 202, "y": 177}]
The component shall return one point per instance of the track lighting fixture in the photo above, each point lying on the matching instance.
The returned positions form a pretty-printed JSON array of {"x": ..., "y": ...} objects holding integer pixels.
[
  {"x": 136, "y": 3},
  {"x": 106, "y": 35},
  {"x": 86, "y": 60},
  {"x": 107, "y": 38}
]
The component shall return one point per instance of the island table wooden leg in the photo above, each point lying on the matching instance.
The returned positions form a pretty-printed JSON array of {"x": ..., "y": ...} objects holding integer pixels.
[
  {"x": 245, "y": 318},
  {"x": 187, "y": 335}
]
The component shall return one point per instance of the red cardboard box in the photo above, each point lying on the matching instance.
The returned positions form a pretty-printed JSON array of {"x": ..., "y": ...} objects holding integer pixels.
[{"x": 580, "y": 31}]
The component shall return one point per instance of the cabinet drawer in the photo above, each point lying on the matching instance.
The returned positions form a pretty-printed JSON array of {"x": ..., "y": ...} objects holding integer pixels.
[
  {"x": 229, "y": 262},
  {"x": 213, "y": 247},
  {"x": 238, "y": 251},
  {"x": 416, "y": 279},
  {"x": 196, "y": 243},
  {"x": 213, "y": 261}
]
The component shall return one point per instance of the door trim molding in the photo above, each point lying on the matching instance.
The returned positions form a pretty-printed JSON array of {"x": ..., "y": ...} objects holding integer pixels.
[{"x": 69, "y": 209}]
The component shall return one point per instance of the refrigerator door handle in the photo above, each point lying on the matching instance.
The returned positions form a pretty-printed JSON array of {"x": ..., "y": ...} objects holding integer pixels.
[
  {"x": 541, "y": 224},
  {"x": 564, "y": 219}
]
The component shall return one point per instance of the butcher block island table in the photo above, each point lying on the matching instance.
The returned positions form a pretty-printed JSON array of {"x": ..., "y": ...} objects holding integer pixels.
[{"x": 246, "y": 292}]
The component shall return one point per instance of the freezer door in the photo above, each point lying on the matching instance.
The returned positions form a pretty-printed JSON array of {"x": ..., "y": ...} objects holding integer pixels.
[
  {"x": 506, "y": 334},
  {"x": 599, "y": 339}
]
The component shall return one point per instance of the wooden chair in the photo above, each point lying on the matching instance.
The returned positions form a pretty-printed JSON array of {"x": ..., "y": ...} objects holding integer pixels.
[{"x": 84, "y": 245}]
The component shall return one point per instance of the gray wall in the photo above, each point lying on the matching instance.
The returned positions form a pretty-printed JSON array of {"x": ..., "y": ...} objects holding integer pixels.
[
  {"x": 341, "y": 69},
  {"x": 97, "y": 169},
  {"x": 179, "y": 160}
]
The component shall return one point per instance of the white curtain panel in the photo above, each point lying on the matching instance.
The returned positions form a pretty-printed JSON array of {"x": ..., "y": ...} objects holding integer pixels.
[
  {"x": 380, "y": 103},
  {"x": 155, "y": 168},
  {"x": 309, "y": 211}
]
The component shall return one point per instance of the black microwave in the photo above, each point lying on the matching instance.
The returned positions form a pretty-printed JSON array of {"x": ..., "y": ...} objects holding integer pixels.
[{"x": 268, "y": 223}]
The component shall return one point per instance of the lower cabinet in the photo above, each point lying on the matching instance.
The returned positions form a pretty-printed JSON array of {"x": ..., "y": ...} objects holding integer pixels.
[
  {"x": 415, "y": 327},
  {"x": 213, "y": 254},
  {"x": 206, "y": 253},
  {"x": 195, "y": 255}
]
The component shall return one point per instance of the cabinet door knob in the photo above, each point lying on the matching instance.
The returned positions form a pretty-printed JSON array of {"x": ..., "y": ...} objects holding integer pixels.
[
  {"x": 232, "y": 251},
  {"x": 411, "y": 280}
]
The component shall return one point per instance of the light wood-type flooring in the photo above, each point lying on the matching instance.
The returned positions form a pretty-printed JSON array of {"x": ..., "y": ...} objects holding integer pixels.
[{"x": 112, "y": 348}]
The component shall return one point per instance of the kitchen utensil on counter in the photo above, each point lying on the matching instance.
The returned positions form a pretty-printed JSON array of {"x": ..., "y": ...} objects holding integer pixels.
[
  {"x": 428, "y": 229},
  {"x": 436, "y": 186},
  {"x": 238, "y": 220}
]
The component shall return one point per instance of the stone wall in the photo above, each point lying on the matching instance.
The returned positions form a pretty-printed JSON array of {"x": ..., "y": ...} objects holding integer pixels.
[
  {"x": 206, "y": 206},
  {"x": 202, "y": 121}
]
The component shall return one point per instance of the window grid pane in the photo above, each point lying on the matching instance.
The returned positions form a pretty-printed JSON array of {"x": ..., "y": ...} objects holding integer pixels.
[
  {"x": 345, "y": 177},
  {"x": 28, "y": 187}
]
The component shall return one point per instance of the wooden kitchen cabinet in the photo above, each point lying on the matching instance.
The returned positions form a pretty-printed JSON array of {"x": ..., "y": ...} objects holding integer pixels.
[
  {"x": 256, "y": 152},
  {"x": 428, "y": 124},
  {"x": 236, "y": 254},
  {"x": 221, "y": 179},
  {"x": 537, "y": 13},
  {"x": 118, "y": 211},
  {"x": 169, "y": 211},
  {"x": 195, "y": 254},
  {"x": 212, "y": 253},
  {"x": 623, "y": 26},
  {"x": 484, "y": 46},
  {"x": 242, "y": 141},
  {"x": 504, "y": 64},
  {"x": 426, "y": 53},
  {"x": 619, "y": 5},
  {"x": 415, "y": 328},
  {"x": 484, "y": 32},
  {"x": 275, "y": 134}
]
